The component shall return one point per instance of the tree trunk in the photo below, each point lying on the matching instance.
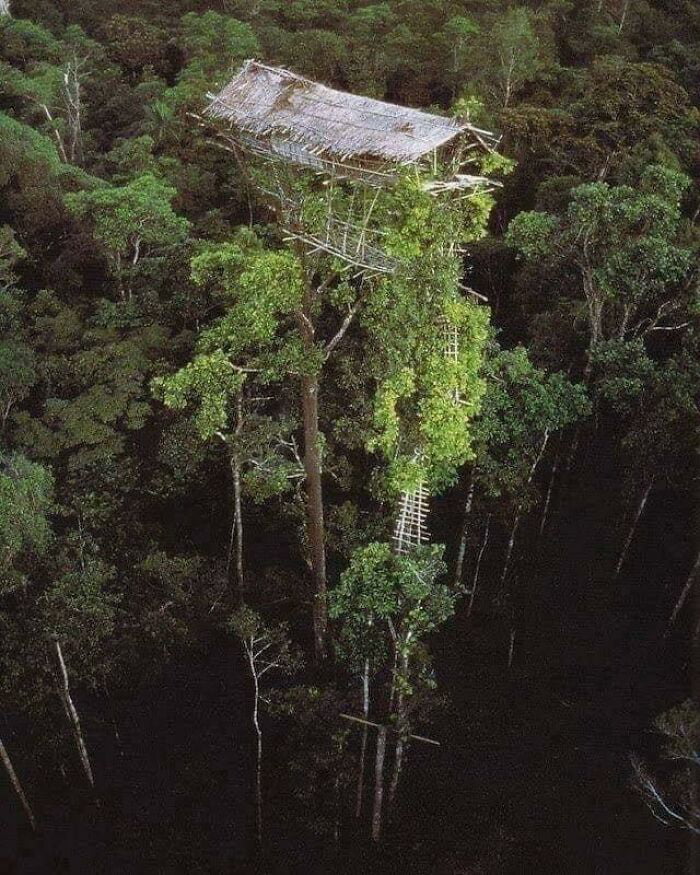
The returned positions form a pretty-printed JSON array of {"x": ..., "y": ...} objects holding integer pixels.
[
  {"x": 337, "y": 810},
  {"x": 378, "y": 784},
  {"x": 509, "y": 549},
  {"x": 258, "y": 753},
  {"x": 401, "y": 730},
  {"x": 4, "y": 7},
  {"x": 337, "y": 797},
  {"x": 396, "y": 773},
  {"x": 685, "y": 592},
  {"x": 595, "y": 303},
  {"x": 508, "y": 83},
  {"x": 633, "y": 528},
  {"x": 395, "y": 666},
  {"x": 573, "y": 447},
  {"x": 238, "y": 512},
  {"x": 72, "y": 714},
  {"x": 511, "y": 648},
  {"x": 56, "y": 132},
  {"x": 236, "y": 541},
  {"x": 314, "y": 509},
  {"x": 112, "y": 717},
  {"x": 72, "y": 97},
  {"x": 363, "y": 748},
  {"x": 462, "y": 549},
  {"x": 623, "y": 17},
  {"x": 550, "y": 488},
  {"x": 14, "y": 780},
  {"x": 235, "y": 545},
  {"x": 482, "y": 550},
  {"x": 516, "y": 521}
]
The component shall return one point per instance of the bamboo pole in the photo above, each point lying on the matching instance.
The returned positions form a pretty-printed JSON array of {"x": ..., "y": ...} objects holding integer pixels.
[{"x": 389, "y": 728}]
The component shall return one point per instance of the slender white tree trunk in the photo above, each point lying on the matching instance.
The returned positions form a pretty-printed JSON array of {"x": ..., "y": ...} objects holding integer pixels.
[
  {"x": 395, "y": 667},
  {"x": 509, "y": 76},
  {"x": 72, "y": 95},
  {"x": 462, "y": 549},
  {"x": 72, "y": 714},
  {"x": 378, "y": 784},
  {"x": 56, "y": 132},
  {"x": 633, "y": 528},
  {"x": 550, "y": 489},
  {"x": 363, "y": 748},
  {"x": 337, "y": 795},
  {"x": 511, "y": 648},
  {"x": 482, "y": 550},
  {"x": 236, "y": 541},
  {"x": 511, "y": 544},
  {"x": 401, "y": 725},
  {"x": 239, "y": 528},
  {"x": 237, "y": 494},
  {"x": 685, "y": 592},
  {"x": 623, "y": 17},
  {"x": 4, "y": 7},
  {"x": 258, "y": 755},
  {"x": 14, "y": 780}
]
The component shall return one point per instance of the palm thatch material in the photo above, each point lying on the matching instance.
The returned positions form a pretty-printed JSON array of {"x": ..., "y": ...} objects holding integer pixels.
[{"x": 278, "y": 109}]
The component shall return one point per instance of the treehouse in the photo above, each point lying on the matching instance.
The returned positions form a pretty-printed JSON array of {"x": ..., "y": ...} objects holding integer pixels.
[
  {"x": 353, "y": 148},
  {"x": 297, "y": 125}
]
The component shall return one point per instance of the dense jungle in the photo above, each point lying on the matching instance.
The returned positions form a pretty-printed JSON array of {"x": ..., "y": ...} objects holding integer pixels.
[{"x": 217, "y": 655}]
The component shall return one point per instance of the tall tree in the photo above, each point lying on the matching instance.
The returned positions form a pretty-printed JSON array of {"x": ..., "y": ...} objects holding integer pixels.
[{"x": 266, "y": 649}]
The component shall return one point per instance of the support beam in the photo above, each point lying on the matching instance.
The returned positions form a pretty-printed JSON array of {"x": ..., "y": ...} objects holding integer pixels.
[{"x": 389, "y": 728}]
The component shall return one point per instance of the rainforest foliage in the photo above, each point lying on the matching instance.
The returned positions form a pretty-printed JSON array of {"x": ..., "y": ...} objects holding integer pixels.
[{"x": 161, "y": 342}]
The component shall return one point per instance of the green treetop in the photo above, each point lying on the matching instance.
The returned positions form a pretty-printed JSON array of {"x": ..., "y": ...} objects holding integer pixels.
[
  {"x": 130, "y": 221},
  {"x": 622, "y": 243},
  {"x": 522, "y": 406},
  {"x": 381, "y": 589}
]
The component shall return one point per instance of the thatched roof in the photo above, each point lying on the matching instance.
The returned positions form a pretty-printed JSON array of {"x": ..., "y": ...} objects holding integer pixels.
[{"x": 268, "y": 102}]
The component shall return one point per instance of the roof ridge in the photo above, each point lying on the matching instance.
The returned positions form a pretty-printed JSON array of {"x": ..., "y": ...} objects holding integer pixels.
[
  {"x": 283, "y": 71},
  {"x": 262, "y": 100}
]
